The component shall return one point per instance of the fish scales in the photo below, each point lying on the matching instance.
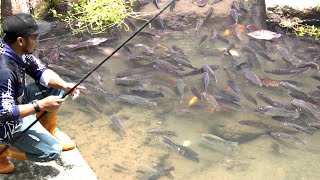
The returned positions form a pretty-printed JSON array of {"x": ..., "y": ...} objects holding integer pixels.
[
  {"x": 215, "y": 139},
  {"x": 270, "y": 82},
  {"x": 117, "y": 125},
  {"x": 126, "y": 81},
  {"x": 196, "y": 92},
  {"x": 299, "y": 128},
  {"x": 273, "y": 111},
  {"x": 285, "y": 136},
  {"x": 281, "y": 71},
  {"x": 159, "y": 131},
  {"x": 267, "y": 100},
  {"x": 211, "y": 100},
  {"x": 249, "y": 75},
  {"x": 137, "y": 100},
  {"x": 212, "y": 74}
]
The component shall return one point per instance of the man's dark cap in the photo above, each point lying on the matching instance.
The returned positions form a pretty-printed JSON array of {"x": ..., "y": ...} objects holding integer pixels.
[{"x": 25, "y": 24}]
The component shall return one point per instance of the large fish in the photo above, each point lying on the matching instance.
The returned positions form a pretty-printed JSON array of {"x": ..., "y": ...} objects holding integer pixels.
[
  {"x": 272, "y": 111},
  {"x": 211, "y": 100},
  {"x": 264, "y": 34},
  {"x": 117, "y": 125},
  {"x": 137, "y": 100},
  {"x": 287, "y": 137},
  {"x": 249, "y": 75},
  {"x": 182, "y": 150}
]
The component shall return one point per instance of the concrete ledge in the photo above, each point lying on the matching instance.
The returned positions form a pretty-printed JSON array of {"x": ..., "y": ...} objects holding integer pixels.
[{"x": 71, "y": 166}]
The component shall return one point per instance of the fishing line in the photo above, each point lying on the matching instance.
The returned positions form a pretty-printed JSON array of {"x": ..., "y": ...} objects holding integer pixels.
[{"x": 21, "y": 134}]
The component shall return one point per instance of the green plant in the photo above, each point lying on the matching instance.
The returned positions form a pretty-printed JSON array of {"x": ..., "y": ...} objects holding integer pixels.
[
  {"x": 96, "y": 16},
  {"x": 302, "y": 30}
]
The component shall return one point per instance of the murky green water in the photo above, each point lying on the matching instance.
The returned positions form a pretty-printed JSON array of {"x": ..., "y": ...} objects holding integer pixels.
[{"x": 258, "y": 156}]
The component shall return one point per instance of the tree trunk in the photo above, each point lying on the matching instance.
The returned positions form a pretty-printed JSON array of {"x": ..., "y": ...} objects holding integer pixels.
[{"x": 9, "y": 7}]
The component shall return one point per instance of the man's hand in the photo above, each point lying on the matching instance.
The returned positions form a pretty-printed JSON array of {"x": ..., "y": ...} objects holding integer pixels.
[
  {"x": 76, "y": 92},
  {"x": 50, "y": 103}
]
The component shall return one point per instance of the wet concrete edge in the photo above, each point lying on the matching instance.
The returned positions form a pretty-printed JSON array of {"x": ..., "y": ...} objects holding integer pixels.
[{"x": 71, "y": 165}]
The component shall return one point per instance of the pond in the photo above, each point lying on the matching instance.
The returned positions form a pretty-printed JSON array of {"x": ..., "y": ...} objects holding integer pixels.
[{"x": 224, "y": 136}]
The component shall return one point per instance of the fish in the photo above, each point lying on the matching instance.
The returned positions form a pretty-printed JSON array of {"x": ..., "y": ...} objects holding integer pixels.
[
  {"x": 199, "y": 24},
  {"x": 249, "y": 75},
  {"x": 299, "y": 121},
  {"x": 285, "y": 54},
  {"x": 308, "y": 64},
  {"x": 197, "y": 93},
  {"x": 159, "y": 131},
  {"x": 215, "y": 139},
  {"x": 315, "y": 76},
  {"x": 228, "y": 104},
  {"x": 273, "y": 111},
  {"x": 144, "y": 93},
  {"x": 97, "y": 77},
  {"x": 156, "y": 3},
  {"x": 208, "y": 14},
  {"x": 180, "y": 86},
  {"x": 158, "y": 22},
  {"x": 251, "y": 28},
  {"x": 173, "y": 5},
  {"x": 126, "y": 81},
  {"x": 281, "y": 71},
  {"x": 88, "y": 43},
  {"x": 206, "y": 81},
  {"x": 178, "y": 49},
  {"x": 256, "y": 124},
  {"x": 250, "y": 98},
  {"x": 267, "y": 100},
  {"x": 222, "y": 39},
  {"x": 264, "y": 34},
  {"x": 117, "y": 125},
  {"x": 183, "y": 62},
  {"x": 211, "y": 100},
  {"x": 216, "y": 1},
  {"x": 167, "y": 69},
  {"x": 299, "y": 128},
  {"x": 286, "y": 137},
  {"x": 201, "y": 3},
  {"x": 169, "y": 92},
  {"x": 292, "y": 88},
  {"x": 192, "y": 101},
  {"x": 304, "y": 97},
  {"x": 182, "y": 150},
  {"x": 270, "y": 82},
  {"x": 314, "y": 110},
  {"x": 163, "y": 172},
  {"x": 212, "y": 74},
  {"x": 130, "y": 24},
  {"x": 213, "y": 34},
  {"x": 233, "y": 85},
  {"x": 234, "y": 15},
  {"x": 144, "y": 47},
  {"x": 203, "y": 38},
  {"x": 93, "y": 89},
  {"x": 229, "y": 47},
  {"x": 137, "y": 100},
  {"x": 266, "y": 56}
]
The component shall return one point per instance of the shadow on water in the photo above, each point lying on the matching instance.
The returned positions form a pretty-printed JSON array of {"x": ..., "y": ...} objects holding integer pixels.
[{"x": 151, "y": 87}]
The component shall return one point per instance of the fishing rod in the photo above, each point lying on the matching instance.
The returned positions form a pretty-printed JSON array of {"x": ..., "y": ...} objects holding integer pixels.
[{"x": 21, "y": 134}]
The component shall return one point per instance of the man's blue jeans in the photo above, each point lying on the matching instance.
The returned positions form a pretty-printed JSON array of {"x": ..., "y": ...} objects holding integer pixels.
[{"x": 38, "y": 144}]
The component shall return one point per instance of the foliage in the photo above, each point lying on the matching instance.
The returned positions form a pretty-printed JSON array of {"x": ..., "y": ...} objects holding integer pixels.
[
  {"x": 96, "y": 16},
  {"x": 302, "y": 30}
]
